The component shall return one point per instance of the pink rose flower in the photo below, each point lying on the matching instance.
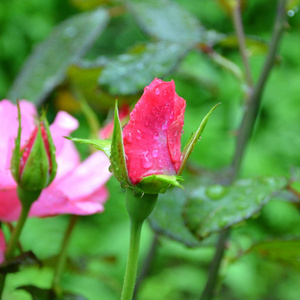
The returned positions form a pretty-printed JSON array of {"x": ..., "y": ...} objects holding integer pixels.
[
  {"x": 78, "y": 188},
  {"x": 152, "y": 137}
]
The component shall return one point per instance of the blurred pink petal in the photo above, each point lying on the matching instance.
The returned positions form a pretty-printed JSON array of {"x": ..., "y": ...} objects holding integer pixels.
[
  {"x": 79, "y": 192},
  {"x": 107, "y": 131},
  {"x": 78, "y": 188}
]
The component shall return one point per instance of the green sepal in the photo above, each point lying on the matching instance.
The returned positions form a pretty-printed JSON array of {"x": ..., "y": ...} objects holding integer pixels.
[
  {"x": 102, "y": 145},
  {"x": 158, "y": 184},
  {"x": 35, "y": 175},
  {"x": 190, "y": 145},
  {"x": 139, "y": 207},
  {"x": 52, "y": 148},
  {"x": 117, "y": 156},
  {"x": 27, "y": 197},
  {"x": 16, "y": 155}
]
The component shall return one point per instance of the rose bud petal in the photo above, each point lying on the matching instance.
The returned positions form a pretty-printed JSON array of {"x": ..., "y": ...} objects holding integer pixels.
[{"x": 152, "y": 137}]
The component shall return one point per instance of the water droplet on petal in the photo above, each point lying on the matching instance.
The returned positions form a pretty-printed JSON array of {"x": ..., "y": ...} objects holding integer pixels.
[
  {"x": 129, "y": 137},
  {"x": 160, "y": 164},
  {"x": 155, "y": 153},
  {"x": 146, "y": 162},
  {"x": 165, "y": 126},
  {"x": 172, "y": 115},
  {"x": 157, "y": 91},
  {"x": 111, "y": 169},
  {"x": 138, "y": 134},
  {"x": 155, "y": 135}
]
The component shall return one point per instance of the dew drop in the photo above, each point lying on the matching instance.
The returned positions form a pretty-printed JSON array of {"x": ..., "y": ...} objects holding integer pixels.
[
  {"x": 165, "y": 126},
  {"x": 172, "y": 115},
  {"x": 157, "y": 91},
  {"x": 155, "y": 153},
  {"x": 138, "y": 135},
  {"x": 155, "y": 135},
  {"x": 129, "y": 137},
  {"x": 160, "y": 164},
  {"x": 146, "y": 162},
  {"x": 111, "y": 169}
]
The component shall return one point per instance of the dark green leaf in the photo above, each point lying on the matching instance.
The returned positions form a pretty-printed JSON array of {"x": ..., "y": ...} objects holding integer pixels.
[
  {"x": 13, "y": 265},
  {"x": 47, "y": 65},
  {"x": 284, "y": 251},
  {"x": 213, "y": 208},
  {"x": 255, "y": 45},
  {"x": 167, "y": 218},
  {"x": 166, "y": 20},
  {"x": 130, "y": 73},
  {"x": 83, "y": 77},
  {"x": 48, "y": 294},
  {"x": 188, "y": 149},
  {"x": 102, "y": 145}
]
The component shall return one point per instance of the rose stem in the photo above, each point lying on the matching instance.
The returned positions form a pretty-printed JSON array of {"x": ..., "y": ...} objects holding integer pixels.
[
  {"x": 59, "y": 268},
  {"x": 139, "y": 208}
]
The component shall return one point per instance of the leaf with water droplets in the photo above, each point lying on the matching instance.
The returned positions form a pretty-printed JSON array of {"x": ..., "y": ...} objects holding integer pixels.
[
  {"x": 286, "y": 251},
  {"x": 167, "y": 218},
  {"x": 47, "y": 65},
  {"x": 166, "y": 20},
  {"x": 102, "y": 145},
  {"x": 158, "y": 184},
  {"x": 117, "y": 156},
  {"x": 189, "y": 147},
  {"x": 129, "y": 73},
  {"x": 213, "y": 208}
]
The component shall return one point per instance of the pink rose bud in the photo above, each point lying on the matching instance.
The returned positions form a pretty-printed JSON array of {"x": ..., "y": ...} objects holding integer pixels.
[
  {"x": 34, "y": 166},
  {"x": 152, "y": 137}
]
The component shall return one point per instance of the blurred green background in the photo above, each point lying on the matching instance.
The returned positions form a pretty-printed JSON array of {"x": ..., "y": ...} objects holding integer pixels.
[{"x": 98, "y": 250}]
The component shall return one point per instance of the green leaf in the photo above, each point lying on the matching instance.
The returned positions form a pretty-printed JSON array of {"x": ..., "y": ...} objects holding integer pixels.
[
  {"x": 130, "y": 73},
  {"x": 158, "y": 184},
  {"x": 82, "y": 78},
  {"x": 13, "y": 265},
  {"x": 284, "y": 251},
  {"x": 166, "y": 20},
  {"x": 167, "y": 218},
  {"x": 189, "y": 147},
  {"x": 254, "y": 44},
  {"x": 47, "y": 65},
  {"x": 47, "y": 294},
  {"x": 102, "y": 145},
  {"x": 117, "y": 156},
  {"x": 213, "y": 208}
]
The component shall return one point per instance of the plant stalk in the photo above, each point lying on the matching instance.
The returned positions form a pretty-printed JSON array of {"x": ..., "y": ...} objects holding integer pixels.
[
  {"x": 238, "y": 26},
  {"x": 243, "y": 138},
  {"x": 62, "y": 255},
  {"x": 138, "y": 208}
]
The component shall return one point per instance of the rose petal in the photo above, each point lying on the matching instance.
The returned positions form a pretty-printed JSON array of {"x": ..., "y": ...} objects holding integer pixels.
[
  {"x": 149, "y": 146},
  {"x": 9, "y": 127},
  {"x": 79, "y": 192},
  {"x": 10, "y": 206}
]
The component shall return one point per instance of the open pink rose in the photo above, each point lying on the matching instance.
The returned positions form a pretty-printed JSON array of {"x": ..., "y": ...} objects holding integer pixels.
[
  {"x": 78, "y": 188},
  {"x": 152, "y": 137}
]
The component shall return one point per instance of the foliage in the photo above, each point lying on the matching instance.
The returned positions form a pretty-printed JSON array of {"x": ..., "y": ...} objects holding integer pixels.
[{"x": 93, "y": 51}]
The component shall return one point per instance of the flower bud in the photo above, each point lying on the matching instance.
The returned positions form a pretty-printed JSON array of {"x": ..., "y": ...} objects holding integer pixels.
[{"x": 34, "y": 166}]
